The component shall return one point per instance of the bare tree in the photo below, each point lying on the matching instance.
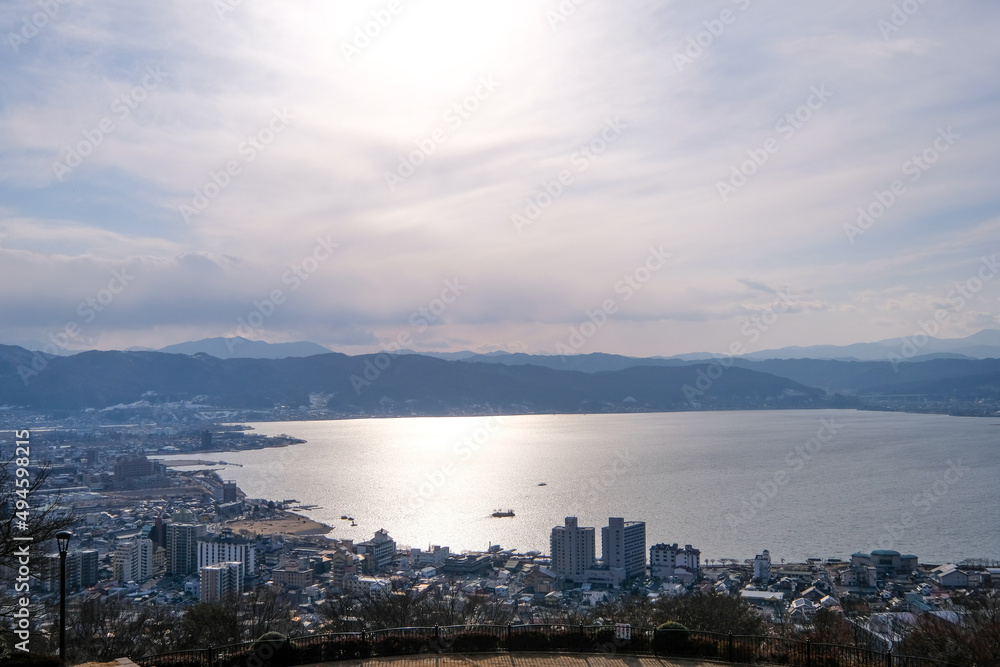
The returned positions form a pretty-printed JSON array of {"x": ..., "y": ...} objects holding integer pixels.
[
  {"x": 829, "y": 627},
  {"x": 210, "y": 624},
  {"x": 711, "y": 612},
  {"x": 26, "y": 523},
  {"x": 104, "y": 628},
  {"x": 971, "y": 637},
  {"x": 236, "y": 618},
  {"x": 265, "y": 609},
  {"x": 404, "y": 606},
  {"x": 27, "y": 529}
]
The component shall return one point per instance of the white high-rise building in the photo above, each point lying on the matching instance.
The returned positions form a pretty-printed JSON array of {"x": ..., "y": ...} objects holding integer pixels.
[
  {"x": 225, "y": 548},
  {"x": 762, "y": 567},
  {"x": 572, "y": 549},
  {"x": 221, "y": 579},
  {"x": 133, "y": 561},
  {"x": 623, "y": 546}
]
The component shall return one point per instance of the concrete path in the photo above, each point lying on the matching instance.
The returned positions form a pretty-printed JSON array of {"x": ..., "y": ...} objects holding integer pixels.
[{"x": 519, "y": 660}]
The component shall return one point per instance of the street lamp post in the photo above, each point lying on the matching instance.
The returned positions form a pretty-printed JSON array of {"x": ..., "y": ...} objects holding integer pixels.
[{"x": 62, "y": 539}]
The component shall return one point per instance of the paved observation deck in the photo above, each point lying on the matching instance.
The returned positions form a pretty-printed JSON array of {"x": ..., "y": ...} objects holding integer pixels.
[{"x": 520, "y": 660}]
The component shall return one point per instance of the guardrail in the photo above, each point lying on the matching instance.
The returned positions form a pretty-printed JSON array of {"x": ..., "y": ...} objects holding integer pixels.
[{"x": 610, "y": 640}]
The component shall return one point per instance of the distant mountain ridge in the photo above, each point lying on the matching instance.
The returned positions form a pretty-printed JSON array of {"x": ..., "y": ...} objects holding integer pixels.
[
  {"x": 382, "y": 385},
  {"x": 237, "y": 347},
  {"x": 982, "y": 345},
  {"x": 225, "y": 373}
]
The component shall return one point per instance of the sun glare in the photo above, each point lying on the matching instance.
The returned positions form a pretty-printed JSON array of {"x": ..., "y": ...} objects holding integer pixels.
[{"x": 446, "y": 42}]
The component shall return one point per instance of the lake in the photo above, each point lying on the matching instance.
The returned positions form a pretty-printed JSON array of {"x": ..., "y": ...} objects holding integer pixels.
[{"x": 801, "y": 483}]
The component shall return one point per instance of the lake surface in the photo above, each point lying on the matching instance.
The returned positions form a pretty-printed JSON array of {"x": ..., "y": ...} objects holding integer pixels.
[{"x": 799, "y": 483}]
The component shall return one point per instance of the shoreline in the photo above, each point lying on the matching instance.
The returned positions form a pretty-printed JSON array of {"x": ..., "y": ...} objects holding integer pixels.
[{"x": 290, "y": 523}]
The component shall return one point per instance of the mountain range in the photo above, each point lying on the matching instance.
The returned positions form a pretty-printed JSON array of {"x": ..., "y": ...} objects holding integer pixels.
[
  {"x": 382, "y": 384},
  {"x": 240, "y": 373},
  {"x": 982, "y": 345},
  {"x": 237, "y": 347}
]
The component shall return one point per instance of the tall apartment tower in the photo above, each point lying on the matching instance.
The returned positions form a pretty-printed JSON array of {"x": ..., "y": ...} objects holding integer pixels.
[
  {"x": 226, "y": 548},
  {"x": 88, "y": 567},
  {"x": 572, "y": 549},
  {"x": 221, "y": 579},
  {"x": 623, "y": 545},
  {"x": 182, "y": 547},
  {"x": 133, "y": 561},
  {"x": 762, "y": 567}
]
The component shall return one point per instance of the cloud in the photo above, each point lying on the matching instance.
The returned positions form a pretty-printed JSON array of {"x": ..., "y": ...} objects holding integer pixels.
[{"x": 203, "y": 134}]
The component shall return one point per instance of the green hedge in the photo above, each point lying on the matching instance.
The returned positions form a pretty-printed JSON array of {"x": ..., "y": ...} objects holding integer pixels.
[
  {"x": 405, "y": 645},
  {"x": 353, "y": 648},
  {"x": 475, "y": 642},
  {"x": 528, "y": 641},
  {"x": 671, "y": 638}
]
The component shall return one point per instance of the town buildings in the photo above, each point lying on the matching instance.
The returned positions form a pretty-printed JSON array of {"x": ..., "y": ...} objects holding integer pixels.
[
  {"x": 667, "y": 560},
  {"x": 572, "y": 549},
  {"x": 378, "y": 552},
  {"x": 107, "y": 557},
  {"x": 762, "y": 568},
  {"x": 133, "y": 561},
  {"x": 182, "y": 547},
  {"x": 221, "y": 579},
  {"x": 225, "y": 548},
  {"x": 623, "y": 546}
]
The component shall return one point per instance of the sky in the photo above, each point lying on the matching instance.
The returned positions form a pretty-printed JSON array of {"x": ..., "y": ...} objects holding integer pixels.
[{"x": 542, "y": 176}]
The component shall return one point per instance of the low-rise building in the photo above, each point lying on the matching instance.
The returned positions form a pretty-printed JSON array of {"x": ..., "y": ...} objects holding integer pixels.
[
  {"x": 378, "y": 552},
  {"x": 467, "y": 564},
  {"x": 949, "y": 576},
  {"x": 668, "y": 560},
  {"x": 292, "y": 577}
]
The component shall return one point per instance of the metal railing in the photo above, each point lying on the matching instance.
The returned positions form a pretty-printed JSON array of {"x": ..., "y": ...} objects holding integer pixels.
[{"x": 609, "y": 640}]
